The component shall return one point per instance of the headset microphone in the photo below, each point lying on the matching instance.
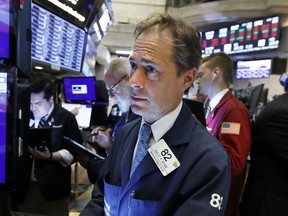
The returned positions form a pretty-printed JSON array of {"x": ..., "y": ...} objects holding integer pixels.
[{"x": 213, "y": 77}]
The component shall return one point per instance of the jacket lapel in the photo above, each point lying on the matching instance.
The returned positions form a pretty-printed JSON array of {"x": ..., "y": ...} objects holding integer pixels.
[{"x": 173, "y": 138}]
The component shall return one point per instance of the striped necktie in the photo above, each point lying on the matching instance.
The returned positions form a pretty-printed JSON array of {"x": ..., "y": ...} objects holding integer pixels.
[
  {"x": 142, "y": 148},
  {"x": 42, "y": 122}
]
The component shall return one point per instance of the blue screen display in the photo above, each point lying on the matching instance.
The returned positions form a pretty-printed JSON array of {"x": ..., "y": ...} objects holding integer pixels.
[
  {"x": 4, "y": 29},
  {"x": 77, "y": 89},
  {"x": 3, "y": 109}
]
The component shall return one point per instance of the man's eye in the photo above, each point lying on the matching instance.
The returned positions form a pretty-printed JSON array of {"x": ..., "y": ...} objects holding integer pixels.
[
  {"x": 150, "y": 69},
  {"x": 133, "y": 66}
]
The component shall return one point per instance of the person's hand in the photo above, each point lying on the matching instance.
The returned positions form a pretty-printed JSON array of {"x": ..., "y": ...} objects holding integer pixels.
[
  {"x": 75, "y": 111},
  {"x": 102, "y": 137},
  {"x": 44, "y": 154}
]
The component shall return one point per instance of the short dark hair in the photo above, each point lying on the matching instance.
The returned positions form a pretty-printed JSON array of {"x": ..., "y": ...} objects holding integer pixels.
[
  {"x": 187, "y": 47},
  {"x": 223, "y": 61},
  {"x": 42, "y": 84}
]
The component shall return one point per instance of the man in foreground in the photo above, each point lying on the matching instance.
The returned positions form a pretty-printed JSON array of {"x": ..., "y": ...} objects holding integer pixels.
[{"x": 186, "y": 171}]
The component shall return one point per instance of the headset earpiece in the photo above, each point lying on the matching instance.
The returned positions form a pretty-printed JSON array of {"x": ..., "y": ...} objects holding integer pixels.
[{"x": 213, "y": 77}]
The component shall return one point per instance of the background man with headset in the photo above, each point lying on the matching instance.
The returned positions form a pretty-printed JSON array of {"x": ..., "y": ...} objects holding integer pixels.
[{"x": 227, "y": 119}]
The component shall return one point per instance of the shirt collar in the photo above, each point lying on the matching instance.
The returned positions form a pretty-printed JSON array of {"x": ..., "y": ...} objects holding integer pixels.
[
  {"x": 161, "y": 126},
  {"x": 216, "y": 99}
]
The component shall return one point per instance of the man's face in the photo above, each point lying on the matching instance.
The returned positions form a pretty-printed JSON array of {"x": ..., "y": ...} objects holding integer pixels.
[
  {"x": 40, "y": 106},
  {"x": 156, "y": 89},
  {"x": 120, "y": 92},
  {"x": 204, "y": 79}
]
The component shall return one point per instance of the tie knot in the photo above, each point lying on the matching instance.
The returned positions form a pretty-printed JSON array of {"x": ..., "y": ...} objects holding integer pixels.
[
  {"x": 145, "y": 132},
  {"x": 208, "y": 110}
]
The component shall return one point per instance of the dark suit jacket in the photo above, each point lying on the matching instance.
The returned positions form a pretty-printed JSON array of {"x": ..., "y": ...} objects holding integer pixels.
[
  {"x": 204, "y": 170},
  {"x": 94, "y": 165},
  {"x": 54, "y": 180},
  {"x": 266, "y": 191}
]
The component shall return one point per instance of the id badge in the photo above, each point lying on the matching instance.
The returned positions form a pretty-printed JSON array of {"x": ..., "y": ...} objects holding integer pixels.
[{"x": 164, "y": 158}]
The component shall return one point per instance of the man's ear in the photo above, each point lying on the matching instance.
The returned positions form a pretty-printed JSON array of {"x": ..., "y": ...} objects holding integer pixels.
[
  {"x": 189, "y": 77},
  {"x": 51, "y": 99}
]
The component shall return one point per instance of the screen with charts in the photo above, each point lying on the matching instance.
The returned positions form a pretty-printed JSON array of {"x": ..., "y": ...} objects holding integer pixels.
[
  {"x": 253, "y": 69},
  {"x": 75, "y": 11},
  {"x": 245, "y": 37},
  {"x": 79, "y": 89},
  {"x": 84, "y": 113},
  {"x": 55, "y": 41}
]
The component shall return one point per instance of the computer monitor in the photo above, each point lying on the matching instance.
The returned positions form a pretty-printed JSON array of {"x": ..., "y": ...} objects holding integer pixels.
[
  {"x": 254, "y": 95},
  {"x": 57, "y": 44},
  {"x": 7, "y": 127},
  {"x": 84, "y": 116},
  {"x": 79, "y": 89},
  {"x": 197, "y": 109},
  {"x": 7, "y": 33},
  {"x": 253, "y": 69}
]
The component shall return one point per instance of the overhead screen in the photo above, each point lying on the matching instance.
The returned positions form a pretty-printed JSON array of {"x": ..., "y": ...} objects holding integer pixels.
[
  {"x": 101, "y": 22},
  {"x": 74, "y": 11},
  {"x": 253, "y": 69},
  {"x": 56, "y": 42},
  {"x": 245, "y": 37}
]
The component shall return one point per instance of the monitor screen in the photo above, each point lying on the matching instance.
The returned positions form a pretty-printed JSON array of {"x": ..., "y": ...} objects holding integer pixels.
[
  {"x": 56, "y": 43},
  {"x": 259, "y": 35},
  {"x": 7, "y": 126},
  {"x": 84, "y": 113},
  {"x": 103, "y": 19},
  {"x": 7, "y": 34},
  {"x": 74, "y": 11},
  {"x": 253, "y": 69},
  {"x": 79, "y": 89}
]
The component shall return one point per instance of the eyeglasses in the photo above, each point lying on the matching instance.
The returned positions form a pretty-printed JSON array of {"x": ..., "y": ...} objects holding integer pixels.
[{"x": 111, "y": 90}]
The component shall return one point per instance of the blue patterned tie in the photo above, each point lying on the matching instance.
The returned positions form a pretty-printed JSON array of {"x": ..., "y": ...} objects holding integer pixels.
[{"x": 144, "y": 138}]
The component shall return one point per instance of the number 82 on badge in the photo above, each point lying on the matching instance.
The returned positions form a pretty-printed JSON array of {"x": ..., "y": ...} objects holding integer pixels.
[{"x": 164, "y": 158}]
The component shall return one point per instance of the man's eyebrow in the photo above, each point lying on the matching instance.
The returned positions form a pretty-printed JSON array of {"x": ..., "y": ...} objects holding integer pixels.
[{"x": 143, "y": 61}]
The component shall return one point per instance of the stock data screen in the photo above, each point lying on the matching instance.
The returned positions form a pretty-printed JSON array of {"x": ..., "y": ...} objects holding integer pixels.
[
  {"x": 253, "y": 69},
  {"x": 56, "y": 41},
  {"x": 245, "y": 37}
]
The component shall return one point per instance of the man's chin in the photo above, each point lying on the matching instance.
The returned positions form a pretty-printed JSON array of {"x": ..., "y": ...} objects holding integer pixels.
[{"x": 136, "y": 109}]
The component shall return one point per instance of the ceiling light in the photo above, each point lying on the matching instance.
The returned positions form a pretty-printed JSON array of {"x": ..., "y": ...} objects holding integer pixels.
[{"x": 38, "y": 67}]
